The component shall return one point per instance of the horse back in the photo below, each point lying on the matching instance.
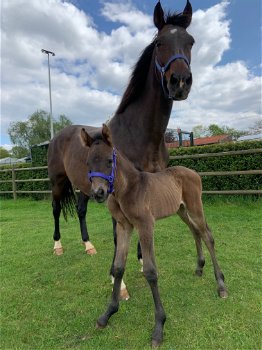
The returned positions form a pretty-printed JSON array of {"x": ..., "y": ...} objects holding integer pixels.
[{"x": 67, "y": 156}]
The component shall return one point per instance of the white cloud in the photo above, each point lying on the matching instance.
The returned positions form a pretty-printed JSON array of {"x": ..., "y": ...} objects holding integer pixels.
[{"x": 91, "y": 68}]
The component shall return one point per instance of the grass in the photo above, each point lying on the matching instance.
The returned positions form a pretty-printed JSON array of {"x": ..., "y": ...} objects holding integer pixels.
[{"x": 50, "y": 302}]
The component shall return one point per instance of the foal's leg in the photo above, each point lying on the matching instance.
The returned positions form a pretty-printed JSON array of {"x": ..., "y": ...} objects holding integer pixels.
[
  {"x": 124, "y": 295},
  {"x": 124, "y": 230},
  {"x": 81, "y": 208},
  {"x": 150, "y": 272},
  {"x": 58, "y": 249},
  {"x": 182, "y": 212},
  {"x": 201, "y": 229}
]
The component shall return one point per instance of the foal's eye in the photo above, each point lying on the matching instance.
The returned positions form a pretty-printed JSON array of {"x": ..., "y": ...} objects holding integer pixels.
[
  {"x": 158, "y": 43},
  {"x": 109, "y": 162}
]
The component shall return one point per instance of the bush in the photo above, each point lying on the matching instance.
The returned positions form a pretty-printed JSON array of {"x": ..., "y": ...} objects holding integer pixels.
[{"x": 223, "y": 163}]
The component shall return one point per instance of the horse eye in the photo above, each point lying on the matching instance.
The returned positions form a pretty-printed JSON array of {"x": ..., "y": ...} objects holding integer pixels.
[
  {"x": 158, "y": 44},
  {"x": 110, "y": 161}
]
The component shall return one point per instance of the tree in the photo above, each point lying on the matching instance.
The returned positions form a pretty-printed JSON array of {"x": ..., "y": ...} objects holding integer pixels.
[
  {"x": 35, "y": 130},
  {"x": 256, "y": 128},
  {"x": 19, "y": 152},
  {"x": 199, "y": 131},
  {"x": 4, "y": 153},
  {"x": 170, "y": 135}
]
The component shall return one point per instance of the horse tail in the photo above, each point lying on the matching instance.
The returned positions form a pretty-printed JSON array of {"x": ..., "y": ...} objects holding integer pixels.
[{"x": 68, "y": 200}]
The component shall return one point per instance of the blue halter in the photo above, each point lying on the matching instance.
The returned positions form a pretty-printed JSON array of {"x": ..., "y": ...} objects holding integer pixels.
[
  {"x": 163, "y": 69},
  {"x": 110, "y": 178}
]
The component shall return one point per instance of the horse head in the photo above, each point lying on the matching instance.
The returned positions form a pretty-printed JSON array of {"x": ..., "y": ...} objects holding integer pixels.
[
  {"x": 173, "y": 46},
  {"x": 101, "y": 163}
]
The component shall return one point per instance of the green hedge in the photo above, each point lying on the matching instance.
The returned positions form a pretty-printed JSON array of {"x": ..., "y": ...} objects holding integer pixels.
[
  {"x": 223, "y": 163},
  {"x": 25, "y": 186}
]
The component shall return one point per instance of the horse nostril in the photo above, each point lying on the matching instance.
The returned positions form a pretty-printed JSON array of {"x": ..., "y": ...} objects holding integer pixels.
[
  {"x": 174, "y": 80},
  {"x": 100, "y": 192},
  {"x": 189, "y": 80}
]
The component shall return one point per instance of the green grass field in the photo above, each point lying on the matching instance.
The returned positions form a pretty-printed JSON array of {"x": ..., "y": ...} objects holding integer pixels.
[{"x": 50, "y": 302}]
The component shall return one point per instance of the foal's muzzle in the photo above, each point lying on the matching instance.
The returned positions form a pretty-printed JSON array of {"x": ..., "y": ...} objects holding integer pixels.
[{"x": 99, "y": 194}]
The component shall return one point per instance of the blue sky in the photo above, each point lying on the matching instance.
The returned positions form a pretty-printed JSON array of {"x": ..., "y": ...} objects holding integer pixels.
[
  {"x": 244, "y": 16},
  {"x": 98, "y": 42}
]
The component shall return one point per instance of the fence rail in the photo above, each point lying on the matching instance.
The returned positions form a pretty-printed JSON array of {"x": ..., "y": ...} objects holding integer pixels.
[{"x": 15, "y": 181}]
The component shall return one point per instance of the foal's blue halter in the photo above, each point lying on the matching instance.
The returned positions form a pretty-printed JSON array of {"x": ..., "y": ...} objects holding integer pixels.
[
  {"x": 110, "y": 178},
  {"x": 163, "y": 69}
]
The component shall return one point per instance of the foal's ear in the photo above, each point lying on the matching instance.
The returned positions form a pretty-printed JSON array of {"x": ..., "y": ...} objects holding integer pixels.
[
  {"x": 85, "y": 138},
  {"x": 106, "y": 134},
  {"x": 187, "y": 13},
  {"x": 159, "y": 18}
]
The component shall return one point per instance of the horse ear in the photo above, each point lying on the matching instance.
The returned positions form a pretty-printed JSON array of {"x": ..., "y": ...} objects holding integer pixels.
[
  {"x": 187, "y": 13},
  {"x": 106, "y": 134},
  {"x": 159, "y": 19},
  {"x": 85, "y": 138}
]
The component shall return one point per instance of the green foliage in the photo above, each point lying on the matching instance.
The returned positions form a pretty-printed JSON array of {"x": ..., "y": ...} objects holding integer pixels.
[
  {"x": 50, "y": 302},
  {"x": 4, "y": 153},
  {"x": 19, "y": 152},
  {"x": 39, "y": 155},
  {"x": 24, "y": 175},
  {"x": 215, "y": 130},
  {"x": 224, "y": 163},
  {"x": 35, "y": 130}
]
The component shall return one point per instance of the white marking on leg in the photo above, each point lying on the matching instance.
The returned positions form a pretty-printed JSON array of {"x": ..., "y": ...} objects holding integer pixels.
[
  {"x": 57, "y": 244},
  {"x": 141, "y": 262},
  {"x": 90, "y": 249}
]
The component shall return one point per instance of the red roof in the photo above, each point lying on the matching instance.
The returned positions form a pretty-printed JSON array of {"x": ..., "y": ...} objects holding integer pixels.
[{"x": 201, "y": 141}]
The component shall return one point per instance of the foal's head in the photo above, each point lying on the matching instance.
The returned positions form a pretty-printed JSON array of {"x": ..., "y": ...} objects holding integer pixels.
[
  {"x": 101, "y": 162},
  {"x": 173, "y": 46}
]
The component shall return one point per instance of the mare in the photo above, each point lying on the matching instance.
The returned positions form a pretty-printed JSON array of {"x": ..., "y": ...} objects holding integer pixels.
[
  {"x": 161, "y": 75},
  {"x": 133, "y": 204}
]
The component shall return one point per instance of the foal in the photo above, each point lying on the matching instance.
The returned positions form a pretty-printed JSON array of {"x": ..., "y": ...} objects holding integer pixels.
[{"x": 137, "y": 200}]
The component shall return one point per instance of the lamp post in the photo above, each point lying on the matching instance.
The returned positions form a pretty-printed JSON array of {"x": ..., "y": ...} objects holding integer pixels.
[{"x": 50, "y": 98}]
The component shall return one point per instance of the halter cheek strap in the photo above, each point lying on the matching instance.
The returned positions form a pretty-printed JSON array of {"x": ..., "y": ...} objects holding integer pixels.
[
  {"x": 110, "y": 178},
  {"x": 164, "y": 69}
]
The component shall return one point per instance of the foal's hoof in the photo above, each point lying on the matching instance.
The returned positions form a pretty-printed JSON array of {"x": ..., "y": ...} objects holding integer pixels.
[
  {"x": 124, "y": 295},
  {"x": 59, "y": 251},
  {"x": 99, "y": 326},
  {"x": 156, "y": 343},
  {"x": 223, "y": 293}
]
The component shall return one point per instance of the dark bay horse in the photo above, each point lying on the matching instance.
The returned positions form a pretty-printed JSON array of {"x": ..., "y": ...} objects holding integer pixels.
[
  {"x": 161, "y": 75},
  {"x": 133, "y": 204}
]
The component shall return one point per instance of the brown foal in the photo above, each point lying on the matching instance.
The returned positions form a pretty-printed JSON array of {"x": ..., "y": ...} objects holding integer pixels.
[{"x": 137, "y": 199}]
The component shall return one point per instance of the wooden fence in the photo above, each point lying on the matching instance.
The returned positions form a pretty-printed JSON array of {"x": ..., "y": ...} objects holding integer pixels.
[{"x": 14, "y": 181}]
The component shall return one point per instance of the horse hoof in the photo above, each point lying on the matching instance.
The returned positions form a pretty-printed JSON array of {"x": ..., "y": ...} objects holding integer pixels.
[
  {"x": 58, "y": 251},
  {"x": 199, "y": 273},
  {"x": 124, "y": 294},
  {"x": 99, "y": 326},
  {"x": 155, "y": 343},
  {"x": 223, "y": 294},
  {"x": 91, "y": 251}
]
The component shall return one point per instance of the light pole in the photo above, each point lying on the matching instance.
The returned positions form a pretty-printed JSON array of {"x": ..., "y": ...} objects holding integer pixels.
[{"x": 50, "y": 98}]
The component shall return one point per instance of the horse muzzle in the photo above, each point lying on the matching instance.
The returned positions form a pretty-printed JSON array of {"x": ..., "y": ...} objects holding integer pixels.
[
  {"x": 179, "y": 86},
  {"x": 99, "y": 193}
]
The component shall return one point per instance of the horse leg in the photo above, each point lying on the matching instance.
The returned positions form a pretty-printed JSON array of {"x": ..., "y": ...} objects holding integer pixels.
[
  {"x": 124, "y": 295},
  {"x": 200, "y": 257},
  {"x": 58, "y": 249},
  {"x": 81, "y": 208},
  {"x": 201, "y": 229},
  {"x": 139, "y": 255},
  {"x": 150, "y": 273},
  {"x": 124, "y": 230}
]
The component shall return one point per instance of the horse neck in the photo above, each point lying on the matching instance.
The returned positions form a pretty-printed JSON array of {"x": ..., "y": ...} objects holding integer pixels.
[
  {"x": 146, "y": 118},
  {"x": 125, "y": 176}
]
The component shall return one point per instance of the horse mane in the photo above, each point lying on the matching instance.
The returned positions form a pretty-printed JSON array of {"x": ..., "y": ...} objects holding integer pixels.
[{"x": 138, "y": 78}]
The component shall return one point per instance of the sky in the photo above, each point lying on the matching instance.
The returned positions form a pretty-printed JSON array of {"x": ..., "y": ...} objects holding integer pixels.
[{"x": 96, "y": 44}]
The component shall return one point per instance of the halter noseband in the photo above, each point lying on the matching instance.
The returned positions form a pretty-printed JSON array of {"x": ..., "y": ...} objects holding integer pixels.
[
  {"x": 110, "y": 178},
  {"x": 163, "y": 69}
]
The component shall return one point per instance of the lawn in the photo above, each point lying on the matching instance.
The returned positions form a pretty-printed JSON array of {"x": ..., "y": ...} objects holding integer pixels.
[{"x": 52, "y": 302}]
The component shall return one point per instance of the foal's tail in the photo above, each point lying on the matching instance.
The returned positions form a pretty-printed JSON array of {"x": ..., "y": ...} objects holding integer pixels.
[{"x": 68, "y": 200}]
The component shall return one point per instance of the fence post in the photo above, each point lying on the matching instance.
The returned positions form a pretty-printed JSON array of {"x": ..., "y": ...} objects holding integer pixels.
[{"x": 14, "y": 183}]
